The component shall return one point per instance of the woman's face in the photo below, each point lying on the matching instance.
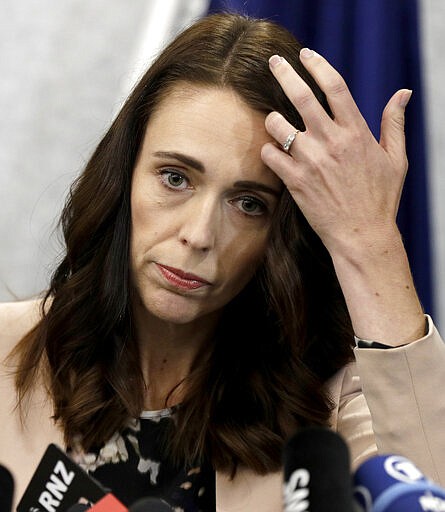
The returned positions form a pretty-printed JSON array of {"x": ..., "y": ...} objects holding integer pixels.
[{"x": 201, "y": 203}]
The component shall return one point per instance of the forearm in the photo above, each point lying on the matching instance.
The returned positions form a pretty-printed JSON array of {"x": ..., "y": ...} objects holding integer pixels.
[{"x": 379, "y": 291}]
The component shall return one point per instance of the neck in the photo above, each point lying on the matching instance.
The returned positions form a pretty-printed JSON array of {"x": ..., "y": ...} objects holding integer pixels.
[{"x": 167, "y": 353}]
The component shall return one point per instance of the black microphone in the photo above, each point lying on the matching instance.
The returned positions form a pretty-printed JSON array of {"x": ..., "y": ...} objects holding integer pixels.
[
  {"x": 317, "y": 474},
  {"x": 58, "y": 484},
  {"x": 6, "y": 489},
  {"x": 150, "y": 505}
]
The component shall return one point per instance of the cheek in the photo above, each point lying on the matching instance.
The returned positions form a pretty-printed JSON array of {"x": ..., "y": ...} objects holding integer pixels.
[
  {"x": 245, "y": 258},
  {"x": 138, "y": 221},
  {"x": 144, "y": 229},
  {"x": 143, "y": 208},
  {"x": 145, "y": 200},
  {"x": 148, "y": 218}
]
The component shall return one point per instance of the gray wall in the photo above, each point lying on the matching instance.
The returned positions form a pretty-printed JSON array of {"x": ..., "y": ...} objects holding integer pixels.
[
  {"x": 65, "y": 69},
  {"x": 62, "y": 65}
]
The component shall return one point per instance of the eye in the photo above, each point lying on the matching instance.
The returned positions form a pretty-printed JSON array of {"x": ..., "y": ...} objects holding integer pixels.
[
  {"x": 173, "y": 179},
  {"x": 250, "y": 205}
]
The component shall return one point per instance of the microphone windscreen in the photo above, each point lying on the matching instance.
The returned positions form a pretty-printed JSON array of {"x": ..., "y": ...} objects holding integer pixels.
[
  {"x": 317, "y": 472},
  {"x": 150, "y": 505},
  {"x": 6, "y": 489}
]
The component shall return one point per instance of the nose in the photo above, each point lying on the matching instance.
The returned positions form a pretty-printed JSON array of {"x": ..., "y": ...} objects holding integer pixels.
[{"x": 200, "y": 224}]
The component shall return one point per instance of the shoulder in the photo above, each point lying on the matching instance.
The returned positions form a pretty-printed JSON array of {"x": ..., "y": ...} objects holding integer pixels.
[
  {"x": 344, "y": 384},
  {"x": 16, "y": 319}
]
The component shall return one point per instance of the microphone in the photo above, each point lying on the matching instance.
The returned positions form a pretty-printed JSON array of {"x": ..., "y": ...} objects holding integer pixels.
[
  {"x": 317, "y": 472},
  {"x": 59, "y": 483},
  {"x": 391, "y": 483},
  {"x": 6, "y": 489}
]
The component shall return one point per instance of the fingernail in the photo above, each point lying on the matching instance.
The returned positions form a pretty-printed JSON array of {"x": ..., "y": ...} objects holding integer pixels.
[
  {"x": 306, "y": 53},
  {"x": 405, "y": 97},
  {"x": 275, "y": 60}
]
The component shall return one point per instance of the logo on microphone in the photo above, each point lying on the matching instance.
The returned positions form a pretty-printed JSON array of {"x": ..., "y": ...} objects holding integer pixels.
[
  {"x": 296, "y": 492},
  {"x": 56, "y": 487},
  {"x": 402, "y": 469},
  {"x": 431, "y": 503}
]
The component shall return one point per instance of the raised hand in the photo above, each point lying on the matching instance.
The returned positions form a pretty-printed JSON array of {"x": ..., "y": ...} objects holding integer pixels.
[
  {"x": 348, "y": 186},
  {"x": 346, "y": 183}
]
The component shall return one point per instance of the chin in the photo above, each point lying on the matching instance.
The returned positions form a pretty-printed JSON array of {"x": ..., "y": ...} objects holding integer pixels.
[
  {"x": 175, "y": 309},
  {"x": 177, "y": 317}
]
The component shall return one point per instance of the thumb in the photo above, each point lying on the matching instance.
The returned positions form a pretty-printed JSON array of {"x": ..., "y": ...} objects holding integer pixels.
[{"x": 392, "y": 132}]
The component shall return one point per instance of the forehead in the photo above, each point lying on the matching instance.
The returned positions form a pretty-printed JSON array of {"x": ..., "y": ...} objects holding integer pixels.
[
  {"x": 221, "y": 111},
  {"x": 212, "y": 124}
]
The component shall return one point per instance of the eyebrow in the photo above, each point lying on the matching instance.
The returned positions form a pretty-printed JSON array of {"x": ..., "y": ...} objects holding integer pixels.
[
  {"x": 185, "y": 159},
  {"x": 254, "y": 185},
  {"x": 199, "y": 166}
]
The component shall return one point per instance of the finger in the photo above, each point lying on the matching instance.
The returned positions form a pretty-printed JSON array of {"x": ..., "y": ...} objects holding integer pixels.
[
  {"x": 300, "y": 94},
  {"x": 392, "y": 137},
  {"x": 283, "y": 165},
  {"x": 330, "y": 81},
  {"x": 280, "y": 129}
]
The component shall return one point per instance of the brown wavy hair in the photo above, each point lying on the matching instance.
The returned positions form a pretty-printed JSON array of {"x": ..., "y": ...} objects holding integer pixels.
[{"x": 278, "y": 342}]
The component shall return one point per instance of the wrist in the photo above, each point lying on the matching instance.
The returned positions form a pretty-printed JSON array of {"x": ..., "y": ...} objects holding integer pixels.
[{"x": 362, "y": 343}]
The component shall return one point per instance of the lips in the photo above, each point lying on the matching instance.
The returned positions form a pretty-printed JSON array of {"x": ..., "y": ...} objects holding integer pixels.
[{"x": 182, "y": 279}]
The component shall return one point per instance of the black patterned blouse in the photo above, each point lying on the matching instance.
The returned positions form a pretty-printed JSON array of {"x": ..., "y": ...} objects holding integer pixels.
[{"x": 132, "y": 466}]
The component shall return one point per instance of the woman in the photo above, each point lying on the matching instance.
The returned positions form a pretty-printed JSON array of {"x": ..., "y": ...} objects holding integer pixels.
[{"x": 231, "y": 233}]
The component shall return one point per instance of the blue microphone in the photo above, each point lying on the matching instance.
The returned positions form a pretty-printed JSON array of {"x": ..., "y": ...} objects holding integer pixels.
[{"x": 391, "y": 483}]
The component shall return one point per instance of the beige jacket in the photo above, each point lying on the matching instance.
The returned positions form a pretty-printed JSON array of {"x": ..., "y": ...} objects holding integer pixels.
[{"x": 404, "y": 389}]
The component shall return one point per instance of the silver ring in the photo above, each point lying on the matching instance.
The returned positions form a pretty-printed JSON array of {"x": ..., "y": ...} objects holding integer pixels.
[{"x": 290, "y": 139}]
